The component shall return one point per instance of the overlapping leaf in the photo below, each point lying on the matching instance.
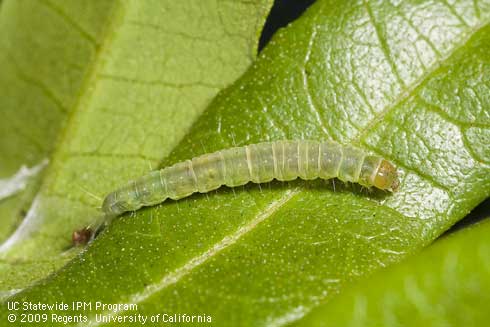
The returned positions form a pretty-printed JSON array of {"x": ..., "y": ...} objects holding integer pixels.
[
  {"x": 45, "y": 56},
  {"x": 447, "y": 284}
]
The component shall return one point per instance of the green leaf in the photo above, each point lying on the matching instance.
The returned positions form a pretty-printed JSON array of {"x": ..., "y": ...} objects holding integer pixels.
[
  {"x": 114, "y": 87},
  {"x": 407, "y": 80},
  {"x": 39, "y": 95},
  {"x": 448, "y": 284}
]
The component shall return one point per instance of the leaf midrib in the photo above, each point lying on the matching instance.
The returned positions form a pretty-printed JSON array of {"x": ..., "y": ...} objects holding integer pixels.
[
  {"x": 405, "y": 95},
  {"x": 196, "y": 261},
  {"x": 115, "y": 16},
  {"x": 409, "y": 91}
]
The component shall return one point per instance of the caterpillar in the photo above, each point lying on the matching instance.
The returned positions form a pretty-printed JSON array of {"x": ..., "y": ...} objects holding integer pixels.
[{"x": 258, "y": 163}]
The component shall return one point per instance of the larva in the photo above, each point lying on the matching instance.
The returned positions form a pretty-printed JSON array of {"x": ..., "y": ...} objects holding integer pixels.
[{"x": 258, "y": 163}]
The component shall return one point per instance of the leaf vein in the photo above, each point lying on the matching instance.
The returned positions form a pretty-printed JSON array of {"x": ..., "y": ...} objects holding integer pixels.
[
  {"x": 38, "y": 84},
  {"x": 306, "y": 87},
  {"x": 383, "y": 44},
  {"x": 160, "y": 83},
  {"x": 405, "y": 94},
  {"x": 48, "y": 4},
  {"x": 179, "y": 273}
]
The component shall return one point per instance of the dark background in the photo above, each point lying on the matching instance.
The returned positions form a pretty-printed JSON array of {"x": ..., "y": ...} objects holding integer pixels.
[{"x": 285, "y": 11}]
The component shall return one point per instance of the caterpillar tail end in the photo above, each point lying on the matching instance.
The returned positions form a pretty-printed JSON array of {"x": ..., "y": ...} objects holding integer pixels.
[
  {"x": 82, "y": 236},
  {"x": 112, "y": 206},
  {"x": 85, "y": 235}
]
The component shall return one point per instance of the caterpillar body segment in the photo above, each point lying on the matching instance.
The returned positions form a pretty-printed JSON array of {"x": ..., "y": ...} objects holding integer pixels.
[{"x": 258, "y": 163}]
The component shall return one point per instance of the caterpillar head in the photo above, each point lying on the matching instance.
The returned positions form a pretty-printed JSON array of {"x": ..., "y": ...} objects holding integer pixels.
[{"x": 386, "y": 177}]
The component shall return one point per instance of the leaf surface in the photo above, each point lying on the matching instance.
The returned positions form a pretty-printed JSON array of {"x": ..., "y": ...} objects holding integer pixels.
[
  {"x": 447, "y": 284},
  {"x": 406, "y": 80},
  {"x": 131, "y": 96},
  {"x": 39, "y": 95}
]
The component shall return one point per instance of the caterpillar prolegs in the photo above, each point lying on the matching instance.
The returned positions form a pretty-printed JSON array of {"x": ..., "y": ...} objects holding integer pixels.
[{"x": 257, "y": 163}]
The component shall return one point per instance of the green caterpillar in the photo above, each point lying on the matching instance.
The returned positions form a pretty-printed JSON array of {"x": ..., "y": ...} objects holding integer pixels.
[{"x": 257, "y": 163}]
